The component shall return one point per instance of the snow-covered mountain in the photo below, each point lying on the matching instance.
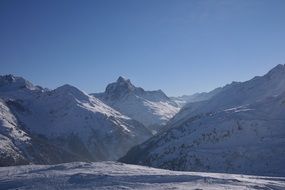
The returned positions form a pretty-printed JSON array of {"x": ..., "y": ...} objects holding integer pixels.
[
  {"x": 113, "y": 176},
  {"x": 239, "y": 130},
  {"x": 246, "y": 139},
  {"x": 65, "y": 124},
  {"x": 152, "y": 108},
  {"x": 237, "y": 94}
]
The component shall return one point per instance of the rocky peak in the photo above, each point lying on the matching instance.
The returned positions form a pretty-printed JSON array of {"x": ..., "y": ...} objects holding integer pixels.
[
  {"x": 276, "y": 71},
  {"x": 11, "y": 82},
  {"x": 120, "y": 88}
]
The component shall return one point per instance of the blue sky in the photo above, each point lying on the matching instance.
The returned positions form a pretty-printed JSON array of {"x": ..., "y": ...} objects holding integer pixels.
[{"x": 179, "y": 46}]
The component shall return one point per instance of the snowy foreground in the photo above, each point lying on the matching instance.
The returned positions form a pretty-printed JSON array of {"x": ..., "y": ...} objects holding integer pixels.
[{"x": 112, "y": 175}]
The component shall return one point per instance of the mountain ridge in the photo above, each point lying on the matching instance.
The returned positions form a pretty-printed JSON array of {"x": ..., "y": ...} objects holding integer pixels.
[
  {"x": 236, "y": 94},
  {"x": 64, "y": 120},
  {"x": 238, "y": 130}
]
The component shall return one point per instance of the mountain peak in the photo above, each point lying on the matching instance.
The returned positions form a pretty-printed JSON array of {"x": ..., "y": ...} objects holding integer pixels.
[
  {"x": 67, "y": 89},
  {"x": 122, "y": 79},
  {"x": 119, "y": 88},
  {"x": 11, "y": 79},
  {"x": 279, "y": 69},
  {"x": 280, "y": 66},
  {"x": 13, "y": 82}
]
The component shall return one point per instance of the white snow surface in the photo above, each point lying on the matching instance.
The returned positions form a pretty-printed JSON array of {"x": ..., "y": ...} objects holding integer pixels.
[{"x": 113, "y": 175}]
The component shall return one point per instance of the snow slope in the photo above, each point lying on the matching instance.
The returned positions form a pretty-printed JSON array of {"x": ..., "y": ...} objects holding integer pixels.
[
  {"x": 18, "y": 146},
  {"x": 152, "y": 108},
  {"x": 237, "y": 94},
  {"x": 247, "y": 139},
  {"x": 10, "y": 138},
  {"x": 112, "y": 175},
  {"x": 65, "y": 124}
]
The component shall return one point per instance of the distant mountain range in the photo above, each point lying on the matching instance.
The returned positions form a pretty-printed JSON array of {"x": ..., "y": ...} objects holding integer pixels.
[
  {"x": 181, "y": 101},
  {"x": 240, "y": 129},
  {"x": 61, "y": 125}
]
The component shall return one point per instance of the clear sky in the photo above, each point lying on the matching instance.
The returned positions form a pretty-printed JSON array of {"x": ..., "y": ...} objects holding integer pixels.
[{"x": 179, "y": 46}]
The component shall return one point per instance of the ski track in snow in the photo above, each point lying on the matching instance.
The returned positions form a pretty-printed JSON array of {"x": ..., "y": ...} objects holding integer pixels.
[{"x": 113, "y": 175}]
